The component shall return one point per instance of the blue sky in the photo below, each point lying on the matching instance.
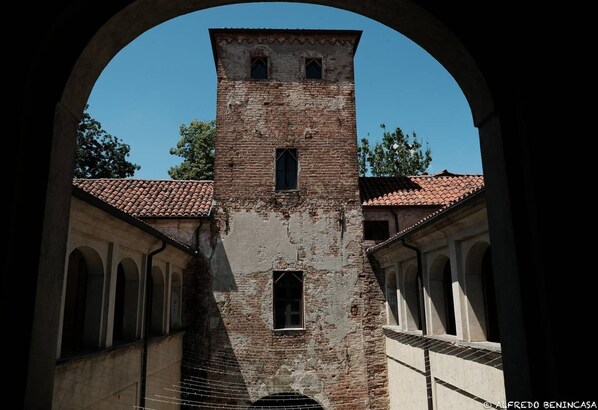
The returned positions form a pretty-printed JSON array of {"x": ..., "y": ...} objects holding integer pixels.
[{"x": 166, "y": 77}]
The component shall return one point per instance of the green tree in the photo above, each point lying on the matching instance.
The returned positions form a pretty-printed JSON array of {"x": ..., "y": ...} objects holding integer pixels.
[
  {"x": 398, "y": 154},
  {"x": 99, "y": 154},
  {"x": 196, "y": 147},
  {"x": 363, "y": 151}
]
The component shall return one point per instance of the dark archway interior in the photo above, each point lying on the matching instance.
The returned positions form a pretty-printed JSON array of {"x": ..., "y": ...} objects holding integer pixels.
[
  {"x": 74, "y": 309},
  {"x": 512, "y": 56},
  {"x": 492, "y": 331},
  {"x": 287, "y": 401},
  {"x": 119, "y": 304},
  {"x": 449, "y": 304}
]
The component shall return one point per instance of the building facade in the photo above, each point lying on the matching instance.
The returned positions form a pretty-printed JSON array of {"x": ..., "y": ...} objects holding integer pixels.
[
  {"x": 121, "y": 313},
  {"x": 288, "y": 281},
  {"x": 287, "y": 262},
  {"x": 442, "y": 340}
]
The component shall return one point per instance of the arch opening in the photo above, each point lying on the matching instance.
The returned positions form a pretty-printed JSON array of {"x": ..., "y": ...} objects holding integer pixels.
[
  {"x": 491, "y": 308},
  {"x": 411, "y": 295},
  {"x": 287, "y": 401},
  {"x": 81, "y": 324},
  {"x": 126, "y": 302},
  {"x": 441, "y": 295},
  {"x": 481, "y": 294}
]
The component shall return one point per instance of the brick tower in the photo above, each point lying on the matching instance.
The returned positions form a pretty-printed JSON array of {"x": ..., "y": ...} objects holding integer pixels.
[{"x": 287, "y": 267}]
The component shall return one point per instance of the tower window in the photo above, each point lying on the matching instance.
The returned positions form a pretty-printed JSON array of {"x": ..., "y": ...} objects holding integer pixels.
[
  {"x": 259, "y": 68},
  {"x": 375, "y": 230},
  {"x": 313, "y": 68},
  {"x": 288, "y": 300},
  {"x": 286, "y": 169}
]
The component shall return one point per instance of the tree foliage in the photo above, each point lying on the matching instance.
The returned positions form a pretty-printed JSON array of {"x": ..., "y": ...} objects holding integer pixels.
[
  {"x": 196, "y": 147},
  {"x": 398, "y": 154},
  {"x": 99, "y": 154}
]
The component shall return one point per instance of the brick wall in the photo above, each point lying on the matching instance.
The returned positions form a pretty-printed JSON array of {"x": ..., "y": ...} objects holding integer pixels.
[
  {"x": 254, "y": 117},
  {"x": 316, "y": 229}
]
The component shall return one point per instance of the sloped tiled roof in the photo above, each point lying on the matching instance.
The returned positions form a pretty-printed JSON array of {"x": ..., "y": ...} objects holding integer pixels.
[
  {"x": 131, "y": 220},
  {"x": 439, "y": 189},
  {"x": 153, "y": 198},
  {"x": 433, "y": 217}
]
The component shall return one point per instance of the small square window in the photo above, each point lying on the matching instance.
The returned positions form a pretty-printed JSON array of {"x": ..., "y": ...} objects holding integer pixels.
[
  {"x": 375, "y": 230},
  {"x": 288, "y": 300},
  {"x": 286, "y": 169},
  {"x": 259, "y": 68},
  {"x": 313, "y": 68}
]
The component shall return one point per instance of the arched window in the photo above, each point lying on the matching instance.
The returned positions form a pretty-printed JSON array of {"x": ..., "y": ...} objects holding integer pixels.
[
  {"x": 126, "y": 302},
  {"x": 411, "y": 294},
  {"x": 81, "y": 322},
  {"x": 441, "y": 293},
  {"x": 157, "y": 302},
  {"x": 391, "y": 297},
  {"x": 176, "y": 298},
  {"x": 288, "y": 401},
  {"x": 492, "y": 333},
  {"x": 479, "y": 291}
]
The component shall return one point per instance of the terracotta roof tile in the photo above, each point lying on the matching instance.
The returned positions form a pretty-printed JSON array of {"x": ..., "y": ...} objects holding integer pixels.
[
  {"x": 153, "y": 198},
  {"x": 439, "y": 189}
]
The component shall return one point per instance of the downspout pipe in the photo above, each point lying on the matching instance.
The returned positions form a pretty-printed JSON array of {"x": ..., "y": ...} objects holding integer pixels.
[
  {"x": 396, "y": 216},
  {"x": 147, "y": 323},
  {"x": 422, "y": 318}
]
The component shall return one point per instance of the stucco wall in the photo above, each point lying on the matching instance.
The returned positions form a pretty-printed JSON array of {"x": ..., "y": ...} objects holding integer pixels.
[
  {"x": 325, "y": 360},
  {"x": 184, "y": 230},
  {"x": 111, "y": 379},
  {"x": 406, "y": 387},
  {"x": 113, "y": 241},
  {"x": 462, "y": 376},
  {"x": 463, "y": 371}
]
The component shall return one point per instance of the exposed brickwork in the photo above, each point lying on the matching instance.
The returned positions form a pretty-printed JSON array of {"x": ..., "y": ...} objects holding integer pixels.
[
  {"x": 316, "y": 229},
  {"x": 317, "y": 119},
  {"x": 254, "y": 117},
  {"x": 374, "y": 319}
]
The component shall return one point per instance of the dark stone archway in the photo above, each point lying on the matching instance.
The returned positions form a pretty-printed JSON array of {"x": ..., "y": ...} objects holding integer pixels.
[
  {"x": 287, "y": 401},
  {"x": 54, "y": 67}
]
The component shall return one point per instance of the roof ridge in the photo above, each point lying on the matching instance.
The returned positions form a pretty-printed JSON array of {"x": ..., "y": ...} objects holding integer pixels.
[
  {"x": 445, "y": 176},
  {"x": 144, "y": 179},
  {"x": 424, "y": 176},
  {"x": 438, "y": 189}
]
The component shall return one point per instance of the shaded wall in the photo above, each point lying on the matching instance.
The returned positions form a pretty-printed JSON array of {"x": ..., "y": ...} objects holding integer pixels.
[
  {"x": 315, "y": 228},
  {"x": 111, "y": 379}
]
